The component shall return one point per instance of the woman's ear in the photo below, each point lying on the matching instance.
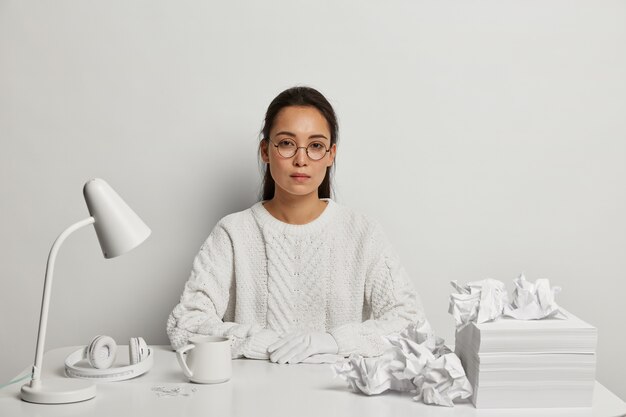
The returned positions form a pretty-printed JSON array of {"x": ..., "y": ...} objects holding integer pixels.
[
  {"x": 264, "y": 154},
  {"x": 333, "y": 152}
]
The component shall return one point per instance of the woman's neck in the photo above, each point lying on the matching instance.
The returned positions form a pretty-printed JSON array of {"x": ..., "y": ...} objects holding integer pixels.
[{"x": 295, "y": 209}]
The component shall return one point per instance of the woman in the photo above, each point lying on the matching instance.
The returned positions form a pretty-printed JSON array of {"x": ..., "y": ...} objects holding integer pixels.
[{"x": 297, "y": 274}]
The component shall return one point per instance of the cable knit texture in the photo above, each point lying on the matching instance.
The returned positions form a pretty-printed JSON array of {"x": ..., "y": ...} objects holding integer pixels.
[{"x": 257, "y": 278}]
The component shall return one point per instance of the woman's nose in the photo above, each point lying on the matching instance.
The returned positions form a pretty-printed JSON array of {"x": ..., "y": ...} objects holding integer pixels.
[{"x": 300, "y": 157}]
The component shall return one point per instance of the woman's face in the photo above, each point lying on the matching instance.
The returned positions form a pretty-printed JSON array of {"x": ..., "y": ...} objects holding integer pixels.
[{"x": 302, "y": 125}]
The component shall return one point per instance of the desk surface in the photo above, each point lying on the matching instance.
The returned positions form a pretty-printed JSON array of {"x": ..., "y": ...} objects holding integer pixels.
[{"x": 257, "y": 388}]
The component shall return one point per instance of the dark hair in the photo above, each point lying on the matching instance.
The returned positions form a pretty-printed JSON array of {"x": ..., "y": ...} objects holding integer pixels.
[{"x": 299, "y": 96}]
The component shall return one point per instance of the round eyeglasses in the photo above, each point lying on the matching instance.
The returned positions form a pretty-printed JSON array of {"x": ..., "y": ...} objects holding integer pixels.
[{"x": 287, "y": 148}]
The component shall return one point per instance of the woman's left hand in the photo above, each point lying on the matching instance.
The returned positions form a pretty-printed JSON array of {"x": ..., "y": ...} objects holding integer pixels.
[{"x": 297, "y": 346}]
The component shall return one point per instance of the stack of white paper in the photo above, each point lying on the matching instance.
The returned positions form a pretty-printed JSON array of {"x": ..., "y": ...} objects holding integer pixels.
[{"x": 529, "y": 363}]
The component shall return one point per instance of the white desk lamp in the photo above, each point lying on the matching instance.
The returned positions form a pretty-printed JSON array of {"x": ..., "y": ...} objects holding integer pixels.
[{"x": 119, "y": 230}]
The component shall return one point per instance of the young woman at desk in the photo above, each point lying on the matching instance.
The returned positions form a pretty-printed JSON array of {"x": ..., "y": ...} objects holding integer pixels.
[{"x": 297, "y": 274}]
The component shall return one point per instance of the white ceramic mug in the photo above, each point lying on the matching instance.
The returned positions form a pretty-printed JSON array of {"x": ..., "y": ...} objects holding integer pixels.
[{"x": 208, "y": 360}]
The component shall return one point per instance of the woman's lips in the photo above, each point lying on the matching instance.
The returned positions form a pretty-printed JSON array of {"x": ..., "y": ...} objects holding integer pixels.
[{"x": 300, "y": 178}]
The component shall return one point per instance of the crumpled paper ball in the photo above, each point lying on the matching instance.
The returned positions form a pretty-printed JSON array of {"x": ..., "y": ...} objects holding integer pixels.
[
  {"x": 486, "y": 300},
  {"x": 478, "y": 301},
  {"x": 417, "y": 361},
  {"x": 533, "y": 301}
]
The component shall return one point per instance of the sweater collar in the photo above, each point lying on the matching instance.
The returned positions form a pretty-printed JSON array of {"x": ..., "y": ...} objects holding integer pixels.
[{"x": 265, "y": 219}]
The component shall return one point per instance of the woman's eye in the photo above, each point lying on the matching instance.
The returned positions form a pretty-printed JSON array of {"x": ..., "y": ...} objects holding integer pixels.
[
  {"x": 286, "y": 143},
  {"x": 316, "y": 146}
]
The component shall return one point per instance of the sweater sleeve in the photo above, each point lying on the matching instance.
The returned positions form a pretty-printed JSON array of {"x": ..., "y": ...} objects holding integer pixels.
[
  {"x": 205, "y": 299},
  {"x": 389, "y": 296}
]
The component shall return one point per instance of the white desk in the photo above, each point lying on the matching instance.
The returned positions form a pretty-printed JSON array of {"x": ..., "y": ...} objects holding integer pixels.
[{"x": 257, "y": 388}]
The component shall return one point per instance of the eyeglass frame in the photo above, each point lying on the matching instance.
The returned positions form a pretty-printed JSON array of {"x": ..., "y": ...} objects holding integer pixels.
[{"x": 306, "y": 149}]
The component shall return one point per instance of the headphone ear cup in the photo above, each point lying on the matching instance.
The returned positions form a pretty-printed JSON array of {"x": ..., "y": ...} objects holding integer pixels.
[
  {"x": 137, "y": 350},
  {"x": 101, "y": 352}
]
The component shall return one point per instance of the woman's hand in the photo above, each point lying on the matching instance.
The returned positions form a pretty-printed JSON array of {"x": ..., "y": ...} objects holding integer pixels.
[{"x": 297, "y": 346}]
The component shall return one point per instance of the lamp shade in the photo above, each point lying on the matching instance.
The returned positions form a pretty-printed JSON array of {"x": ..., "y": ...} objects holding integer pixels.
[{"x": 118, "y": 227}]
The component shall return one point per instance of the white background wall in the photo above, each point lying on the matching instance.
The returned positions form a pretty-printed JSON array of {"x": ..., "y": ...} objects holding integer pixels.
[{"x": 488, "y": 137}]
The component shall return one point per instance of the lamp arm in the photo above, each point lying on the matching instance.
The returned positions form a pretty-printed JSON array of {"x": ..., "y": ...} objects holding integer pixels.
[{"x": 43, "y": 317}]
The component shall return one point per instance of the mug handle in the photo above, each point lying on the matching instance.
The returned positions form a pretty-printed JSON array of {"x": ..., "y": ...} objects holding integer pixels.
[{"x": 180, "y": 355}]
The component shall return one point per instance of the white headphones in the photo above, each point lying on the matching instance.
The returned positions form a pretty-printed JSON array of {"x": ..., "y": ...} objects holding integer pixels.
[{"x": 100, "y": 354}]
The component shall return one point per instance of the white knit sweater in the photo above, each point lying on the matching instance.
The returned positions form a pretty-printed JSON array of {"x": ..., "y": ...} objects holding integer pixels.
[{"x": 257, "y": 278}]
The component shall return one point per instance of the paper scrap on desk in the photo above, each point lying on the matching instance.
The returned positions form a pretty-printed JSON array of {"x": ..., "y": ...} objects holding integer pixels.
[
  {"x": 486, "y": 300},
  {"x": 533, "y": 301},
  {"x": 173, "y": 390},
  {"x": 417, "y": 361}
]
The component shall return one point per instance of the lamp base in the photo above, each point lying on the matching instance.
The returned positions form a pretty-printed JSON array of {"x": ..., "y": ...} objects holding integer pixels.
[{"x": 60, "y": 391}]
